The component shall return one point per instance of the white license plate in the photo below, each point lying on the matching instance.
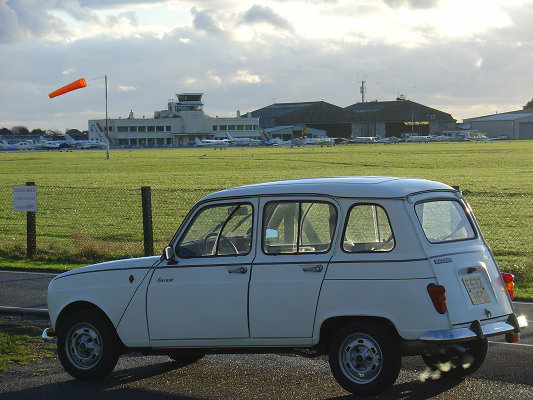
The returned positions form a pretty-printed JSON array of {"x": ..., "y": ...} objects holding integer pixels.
[{"x": 476, "y": 290}]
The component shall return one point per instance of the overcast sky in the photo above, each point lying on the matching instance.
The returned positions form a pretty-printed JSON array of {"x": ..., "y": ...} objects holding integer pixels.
[{"x": 465, "y": 57}]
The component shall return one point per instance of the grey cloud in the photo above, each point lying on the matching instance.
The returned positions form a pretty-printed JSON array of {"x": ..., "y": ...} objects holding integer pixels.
[
  {"x": 204, "y": 21},
  {"x": 98, "y": 4},
  {"x": 77, "y": 11},
  {"x": 260, "y": 14},
  {"x": 22, "y": 19},
  {"x": 415, "y": 4}
]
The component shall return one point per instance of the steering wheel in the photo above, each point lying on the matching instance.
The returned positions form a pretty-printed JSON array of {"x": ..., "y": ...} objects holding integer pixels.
[{"x": 221, "y": 238}]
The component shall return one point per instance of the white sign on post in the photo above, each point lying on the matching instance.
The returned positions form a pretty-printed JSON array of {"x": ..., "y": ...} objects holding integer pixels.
[{"x": 24, "y": 198}]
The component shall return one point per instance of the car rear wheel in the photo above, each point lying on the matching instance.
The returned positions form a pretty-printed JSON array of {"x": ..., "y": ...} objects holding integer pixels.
[
  {"x": 461, "y": 361},
  {"x": 87, "y": 345},
  {"x": 364, "y": 358}
]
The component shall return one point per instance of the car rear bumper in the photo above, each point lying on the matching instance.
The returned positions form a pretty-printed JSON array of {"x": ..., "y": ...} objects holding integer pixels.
[{"x": 513, "y": 324}]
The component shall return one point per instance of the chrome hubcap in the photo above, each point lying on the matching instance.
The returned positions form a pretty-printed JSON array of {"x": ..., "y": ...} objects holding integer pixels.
[
  {"x": 360, "y": 358},
  {"x": 84, "y": 345}
]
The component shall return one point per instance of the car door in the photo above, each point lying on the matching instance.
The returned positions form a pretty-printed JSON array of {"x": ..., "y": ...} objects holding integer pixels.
[
  {"x": 203, "y": 292},
  {"x": 293, "y": 251}
]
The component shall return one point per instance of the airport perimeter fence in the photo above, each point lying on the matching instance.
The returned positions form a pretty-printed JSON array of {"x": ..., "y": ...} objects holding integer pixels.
[{"x": 91, "y": 224}]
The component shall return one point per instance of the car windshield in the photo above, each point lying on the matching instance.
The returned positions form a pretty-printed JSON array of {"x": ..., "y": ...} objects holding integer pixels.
[{"x": 444, "y": 221}]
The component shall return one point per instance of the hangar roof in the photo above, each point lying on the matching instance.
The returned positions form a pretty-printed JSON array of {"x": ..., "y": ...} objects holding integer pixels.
[{"x": 397, "y": 111}]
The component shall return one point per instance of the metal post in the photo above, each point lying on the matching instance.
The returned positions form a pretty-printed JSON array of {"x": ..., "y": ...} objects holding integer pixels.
[
  {"x": 106, "y": 123},
  {"x": 31, "y": 234},
  {"x": 147, "y": 221}
]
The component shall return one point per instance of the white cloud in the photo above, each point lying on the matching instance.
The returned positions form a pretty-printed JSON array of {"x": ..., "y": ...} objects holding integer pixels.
[{"x": 246, "y": 77}]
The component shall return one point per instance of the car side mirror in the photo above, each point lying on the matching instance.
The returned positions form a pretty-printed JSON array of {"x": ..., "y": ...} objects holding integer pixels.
[{"x": 169, "y": 254}]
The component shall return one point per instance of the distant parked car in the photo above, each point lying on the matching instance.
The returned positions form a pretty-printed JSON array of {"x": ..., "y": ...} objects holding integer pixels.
[{"x": 363, "y": 269}]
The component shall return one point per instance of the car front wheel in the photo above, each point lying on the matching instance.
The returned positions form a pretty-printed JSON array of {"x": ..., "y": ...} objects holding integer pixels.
[
  {"x": 364, "y": 358},
  {"x": 87, "y": 345}
]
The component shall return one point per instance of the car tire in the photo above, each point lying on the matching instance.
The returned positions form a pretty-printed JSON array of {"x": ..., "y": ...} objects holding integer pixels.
[
  {"x": 87, "y": 345},
  {"x": 184, "y": 359},
  {"x": 457, "y": 363},
  {"x": 364, "y": 357}
]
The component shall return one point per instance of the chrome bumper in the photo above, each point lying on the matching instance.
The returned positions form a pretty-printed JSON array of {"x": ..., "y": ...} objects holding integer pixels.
[{"x": 513, "y": 324}]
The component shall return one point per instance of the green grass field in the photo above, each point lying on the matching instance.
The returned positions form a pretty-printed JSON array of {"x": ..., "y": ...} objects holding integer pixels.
[{"x": 93, "y": 205}]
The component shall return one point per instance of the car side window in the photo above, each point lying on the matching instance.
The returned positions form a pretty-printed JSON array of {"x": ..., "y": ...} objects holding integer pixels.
[
  {"x": 219, "y": 230},
  {"x": 292, "y": 227},
  {"x": 368, "y": 230}
]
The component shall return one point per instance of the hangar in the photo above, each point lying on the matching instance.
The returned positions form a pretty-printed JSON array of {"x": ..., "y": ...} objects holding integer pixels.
[
  {"x": 514, "y": 124},
  {"x": 376, "y": 118},
  {"x": 335, "y": 120},
  {"x": 398, "y": 118}
]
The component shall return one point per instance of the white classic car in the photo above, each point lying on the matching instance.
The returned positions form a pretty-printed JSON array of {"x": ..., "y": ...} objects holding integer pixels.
[{"x": 362, "y": 269}]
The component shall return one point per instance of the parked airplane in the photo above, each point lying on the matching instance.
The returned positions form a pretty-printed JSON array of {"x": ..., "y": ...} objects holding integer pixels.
[
  {"x": 215, "y": 143},
  {"x": 85, "y": 144},
  {"x": 277, "y": 142},
  {"x": 391, "y": 139},
  {"x": 418, "y": 139},
  {"x": 25, "y": 145},
  {"x": 317, "y": 141},
  {"x": 54, "y": 144},
  {"x": 242, "y": 141},
  {"x": 363, "y": 139}
]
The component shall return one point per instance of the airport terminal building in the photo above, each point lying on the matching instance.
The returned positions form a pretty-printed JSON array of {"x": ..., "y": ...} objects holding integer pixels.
[{"x": 177, "y": 126}]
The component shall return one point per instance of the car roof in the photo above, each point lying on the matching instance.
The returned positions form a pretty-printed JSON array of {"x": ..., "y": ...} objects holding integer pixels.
[{"x": 339, "y": 186}]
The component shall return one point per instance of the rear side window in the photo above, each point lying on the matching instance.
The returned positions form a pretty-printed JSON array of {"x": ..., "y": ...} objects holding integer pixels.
[
  {"x": 367, "y": 230},
  {"x": 292, "y": 227},
  {"x": 444, "y": 221}
]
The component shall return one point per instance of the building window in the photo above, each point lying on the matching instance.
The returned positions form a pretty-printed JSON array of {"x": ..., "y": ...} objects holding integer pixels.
[
  {"x": 255, "y": 127},
  {"x": 122, "y": 128},
  {"x": 248, "y": 127},
  {"x": 223, "y": 128},
  {"x": 142, "y": 129},
  {"x": 160, "y": 128},
  {"x": 151, "y": 128},
  {"x": 231, "y": 127},
  {"x": 168, "y": 128},
  {"x": 240, "y": 127},
  {"x": 215, "y": 127},
  {"x": 133, "y": 129}
]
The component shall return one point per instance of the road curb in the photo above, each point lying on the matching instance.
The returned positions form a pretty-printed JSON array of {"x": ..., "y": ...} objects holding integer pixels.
[{"x": 24, "y": 311}]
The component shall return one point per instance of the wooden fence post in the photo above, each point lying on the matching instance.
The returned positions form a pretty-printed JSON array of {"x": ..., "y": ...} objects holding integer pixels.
[
  {"x": 31, "y": 232},
  {"x": 147, "y": 221}
]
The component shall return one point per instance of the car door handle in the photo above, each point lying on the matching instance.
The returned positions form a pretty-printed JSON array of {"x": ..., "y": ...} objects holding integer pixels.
[
  {"x": 316, "y": 268},
  {"x": 240, "y": 270}
]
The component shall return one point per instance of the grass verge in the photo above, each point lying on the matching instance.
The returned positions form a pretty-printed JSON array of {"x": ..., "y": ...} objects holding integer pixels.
[{"x": 21, "y": 345}]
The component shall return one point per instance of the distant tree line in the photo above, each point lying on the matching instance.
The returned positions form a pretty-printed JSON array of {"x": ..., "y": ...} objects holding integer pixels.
[
  {"x": 529, "y": 104},
  {"x": 22, "y": 130}
]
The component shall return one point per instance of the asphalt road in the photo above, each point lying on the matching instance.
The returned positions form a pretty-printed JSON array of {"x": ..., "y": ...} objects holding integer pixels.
[{"x": 506, "y": 374}]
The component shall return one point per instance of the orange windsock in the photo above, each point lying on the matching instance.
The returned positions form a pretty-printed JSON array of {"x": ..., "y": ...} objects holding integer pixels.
[{"x": 80, "y": 83}]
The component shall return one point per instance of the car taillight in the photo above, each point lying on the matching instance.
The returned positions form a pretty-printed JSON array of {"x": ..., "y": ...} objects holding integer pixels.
[
  {"x": 437, "y": 293},
  {"x": 509, "y": 283}
]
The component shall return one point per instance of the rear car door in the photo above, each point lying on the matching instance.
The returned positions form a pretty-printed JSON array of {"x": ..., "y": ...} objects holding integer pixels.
[{"x": 294, "y": 249}]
